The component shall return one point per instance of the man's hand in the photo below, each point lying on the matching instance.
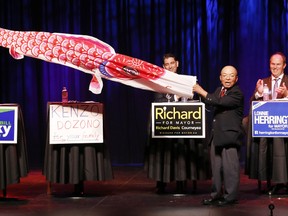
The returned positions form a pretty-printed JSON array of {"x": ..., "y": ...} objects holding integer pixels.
[
  {"x": 198, "y": 89},
  {"x": 260, "y": 86},
  {"x": 177, "y": 98},
  {"x": 282, "y": 91}
]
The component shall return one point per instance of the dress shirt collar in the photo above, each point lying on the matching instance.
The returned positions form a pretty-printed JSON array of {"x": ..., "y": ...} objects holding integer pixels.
[{"x": 280, "y": 77}]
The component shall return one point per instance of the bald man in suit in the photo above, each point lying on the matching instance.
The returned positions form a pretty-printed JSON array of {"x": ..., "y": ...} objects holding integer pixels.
[{"x": 226, "y": 136}]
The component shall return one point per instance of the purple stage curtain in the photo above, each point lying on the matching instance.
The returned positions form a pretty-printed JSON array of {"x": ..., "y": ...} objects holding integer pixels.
[{"x": 204, "y": 34}]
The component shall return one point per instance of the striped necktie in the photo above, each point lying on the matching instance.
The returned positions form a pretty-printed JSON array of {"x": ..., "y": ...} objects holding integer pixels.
[
  {"x": 274, "y": 95},
  {"x": 223, "y": 91}
]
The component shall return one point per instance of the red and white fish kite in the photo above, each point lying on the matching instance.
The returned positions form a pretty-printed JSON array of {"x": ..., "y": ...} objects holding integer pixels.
[{"x": 90, "y": 55}]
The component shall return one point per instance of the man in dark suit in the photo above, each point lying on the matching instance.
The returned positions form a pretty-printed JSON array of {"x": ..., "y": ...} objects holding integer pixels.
[
  {"x": 170, "y": 63},
  {"x": 161, "y": 155},
  {"x": 166, "y": 173},
  {"x": 226, "y": 137},
  {"x": 271, "y": 162},
  {"x": 174, "y": 159}
]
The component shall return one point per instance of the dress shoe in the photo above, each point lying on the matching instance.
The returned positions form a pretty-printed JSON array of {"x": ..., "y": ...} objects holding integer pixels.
[
  {"x": 211, "y": 201},
  {"x": 160, "y": 190},
  {"x": 225, "y": 202},
  {"x": 180, "y": 185},
  {"x": 160, "y": 187},
  {"x": 79, "y": 189},
  {"x": 278, "y": 189}
]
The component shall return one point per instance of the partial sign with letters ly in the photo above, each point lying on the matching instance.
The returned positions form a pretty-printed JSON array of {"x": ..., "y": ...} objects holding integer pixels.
[
  {"x": 178, "y": 120},
  {"x": 76, "y": 123},
  {"x": 8, "y": 124}
]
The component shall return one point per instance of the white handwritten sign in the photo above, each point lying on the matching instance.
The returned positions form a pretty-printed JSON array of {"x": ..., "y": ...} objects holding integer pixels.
[{"x": 76, "y": 123}]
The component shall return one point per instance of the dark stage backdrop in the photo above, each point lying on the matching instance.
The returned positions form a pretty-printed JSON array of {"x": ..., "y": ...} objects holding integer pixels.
[{"x": 206, "y": 35}]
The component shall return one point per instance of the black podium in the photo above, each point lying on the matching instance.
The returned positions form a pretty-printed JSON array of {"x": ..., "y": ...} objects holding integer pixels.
[
  {"x": 267, "y": 142},
  {"x": 75, "y": 158},
  {"x": 13, "y": 154}
]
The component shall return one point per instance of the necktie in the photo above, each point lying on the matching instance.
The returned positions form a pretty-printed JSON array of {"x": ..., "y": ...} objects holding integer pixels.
[
  {"x": 274, "y": 95},
  {"x": 222, "y": 93}
]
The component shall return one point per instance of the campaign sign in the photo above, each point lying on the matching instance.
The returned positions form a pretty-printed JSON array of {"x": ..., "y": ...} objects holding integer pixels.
[
  {"x": 269, "y": 119},
  {"x": 178, "y": 120},
  {"x": 76, "y": 123},
  {"x": 8, "y": 124}
]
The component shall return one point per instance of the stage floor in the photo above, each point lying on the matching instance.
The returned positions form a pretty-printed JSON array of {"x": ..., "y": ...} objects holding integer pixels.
[{"x": 130, "y": 193}]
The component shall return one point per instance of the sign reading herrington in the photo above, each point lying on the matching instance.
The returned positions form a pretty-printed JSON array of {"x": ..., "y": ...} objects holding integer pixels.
[
  {"x": 269, "y": 119},
  {"x": 178, "y": 120}
]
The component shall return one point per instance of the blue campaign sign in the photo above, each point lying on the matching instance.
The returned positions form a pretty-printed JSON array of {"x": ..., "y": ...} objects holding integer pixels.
[
  {"x": 270, "y": 118},
  {"x": 8, "y": 124}
]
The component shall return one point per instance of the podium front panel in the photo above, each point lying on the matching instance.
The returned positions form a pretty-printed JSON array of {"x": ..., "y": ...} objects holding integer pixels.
[
  {"x": 178, "y": 120},
  {"x": 8, "y": 123},
  {"x": 270, "y": 118},
  {"x": 75, "y": 123}
]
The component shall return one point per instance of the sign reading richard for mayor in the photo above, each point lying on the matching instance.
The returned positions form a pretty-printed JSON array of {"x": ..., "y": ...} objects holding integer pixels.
[
  {"x": 178, "y": 120},
  {"x": 269, "y": 119}
]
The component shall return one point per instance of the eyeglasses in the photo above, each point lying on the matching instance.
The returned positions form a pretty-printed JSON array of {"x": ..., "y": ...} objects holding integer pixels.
[{"x": 228, "y": 75}]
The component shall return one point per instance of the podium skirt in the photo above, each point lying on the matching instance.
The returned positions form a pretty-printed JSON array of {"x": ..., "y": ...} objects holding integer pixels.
[
  {"x": 169, "y": 160},
  {"x": 266, "y": 157},
  {"x": 73, "y": 164}
]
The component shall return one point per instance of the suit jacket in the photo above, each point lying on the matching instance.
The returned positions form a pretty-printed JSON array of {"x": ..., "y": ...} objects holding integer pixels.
[
  {"x": 268, "y": 81},
  {"x": 227, "y": 119},
  {"x": 161, "y": 97}
]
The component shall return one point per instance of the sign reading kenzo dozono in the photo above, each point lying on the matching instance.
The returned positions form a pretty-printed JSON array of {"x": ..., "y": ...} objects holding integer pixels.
[
  {"x": 178, "y": 120},
  {"x": 8, "y": 124},
  {"x": 269, "y": 119},
  {"x": 76, "y": 123}
]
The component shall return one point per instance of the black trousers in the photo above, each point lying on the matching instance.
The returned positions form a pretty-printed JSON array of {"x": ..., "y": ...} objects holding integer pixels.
[{"x": 225, "y": 172}]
